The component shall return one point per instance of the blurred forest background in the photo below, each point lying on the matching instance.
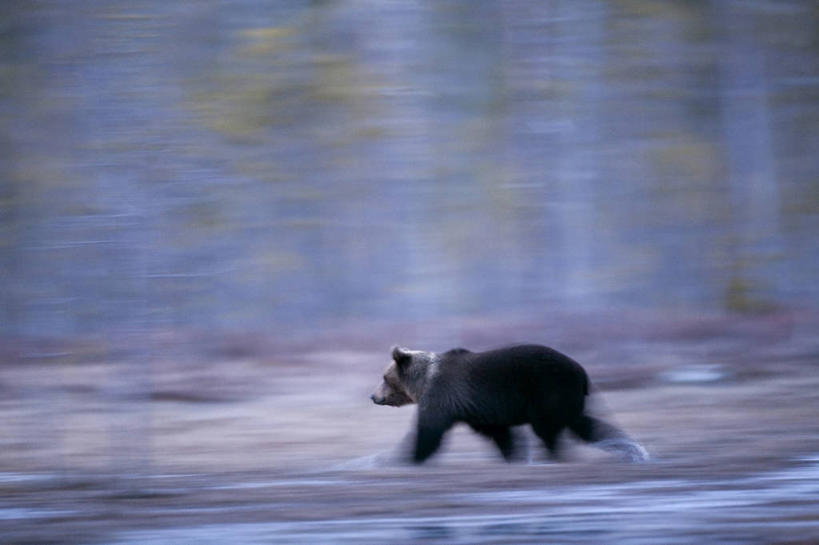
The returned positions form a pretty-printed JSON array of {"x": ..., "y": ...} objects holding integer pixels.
[{"x": 290, "y": 166}]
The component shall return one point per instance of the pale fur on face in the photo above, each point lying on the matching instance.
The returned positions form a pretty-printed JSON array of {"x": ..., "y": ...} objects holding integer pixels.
[{"x": 406, "y": 378}]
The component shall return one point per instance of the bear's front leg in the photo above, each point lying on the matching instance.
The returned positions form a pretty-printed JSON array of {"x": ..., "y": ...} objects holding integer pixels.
[{"x": 429, "y": 433}]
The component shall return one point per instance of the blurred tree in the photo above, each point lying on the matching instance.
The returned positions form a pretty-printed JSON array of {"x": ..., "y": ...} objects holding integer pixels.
[{"x": 747, "y": 140}]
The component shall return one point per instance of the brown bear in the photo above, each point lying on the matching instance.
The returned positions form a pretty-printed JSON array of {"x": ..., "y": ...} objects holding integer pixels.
[{"x": 493, "y": 391}]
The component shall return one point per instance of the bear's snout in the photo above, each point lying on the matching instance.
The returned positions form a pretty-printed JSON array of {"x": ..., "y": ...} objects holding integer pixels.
[{"x": 378, "y": 400}]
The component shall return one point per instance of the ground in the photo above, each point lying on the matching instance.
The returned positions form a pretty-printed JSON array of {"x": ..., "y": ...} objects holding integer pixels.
[{"x": 281, "y": 447}]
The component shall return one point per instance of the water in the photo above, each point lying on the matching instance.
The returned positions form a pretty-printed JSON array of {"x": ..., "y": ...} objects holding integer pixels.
[
  {"x": 754, "y": 509},
  {"x": 758, "y": 508}
]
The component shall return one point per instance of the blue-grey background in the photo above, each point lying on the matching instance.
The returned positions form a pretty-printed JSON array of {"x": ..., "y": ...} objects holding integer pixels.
[{"x": 277, "y": 165}]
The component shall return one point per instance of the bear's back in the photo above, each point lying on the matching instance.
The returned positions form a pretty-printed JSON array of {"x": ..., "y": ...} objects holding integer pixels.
[
  {"x": 530, "y": 369},
  {"x": 506, "y": 386},
  {"x": 526, "y": 359}
]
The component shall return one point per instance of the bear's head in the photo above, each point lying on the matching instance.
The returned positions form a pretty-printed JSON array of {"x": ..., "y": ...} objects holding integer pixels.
[{"x": 404, "y": 378}]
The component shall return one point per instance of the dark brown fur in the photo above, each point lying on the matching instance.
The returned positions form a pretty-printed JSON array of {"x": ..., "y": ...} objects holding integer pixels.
[{"x": 494, "y": 391}]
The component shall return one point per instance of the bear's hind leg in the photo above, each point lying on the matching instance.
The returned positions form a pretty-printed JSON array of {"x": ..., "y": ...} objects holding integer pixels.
[
  {"x": 584, "y": 427},
  {"x": 608, "y": 437},
  {"x": 505, "y": 439},
  {"x": 508, "y": 444},
  {"x": 549, "y": 433}
]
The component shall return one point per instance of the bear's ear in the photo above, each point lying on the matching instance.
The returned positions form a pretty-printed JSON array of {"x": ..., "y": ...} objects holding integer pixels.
[{"x": 400, "y": 356}]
